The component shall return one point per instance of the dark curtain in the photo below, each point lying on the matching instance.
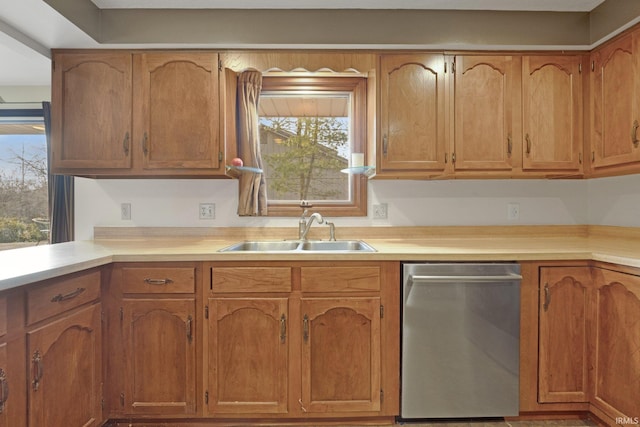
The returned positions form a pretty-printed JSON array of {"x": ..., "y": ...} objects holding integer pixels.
[
  {"x": 253, "y": 188},
  {"x": 60, "y": 193}
]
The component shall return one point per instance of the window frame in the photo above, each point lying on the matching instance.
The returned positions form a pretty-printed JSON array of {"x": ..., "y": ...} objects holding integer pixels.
[{"x": 357, "y": 86}]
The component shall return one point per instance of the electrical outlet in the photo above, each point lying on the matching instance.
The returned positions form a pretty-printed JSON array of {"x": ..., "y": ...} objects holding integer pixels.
[
  {"x": 207, "y": 210},
  {"x": 125, "y": 211},
  {"x": 513, "y": 211},
  {"x": 380, "y": 211}
]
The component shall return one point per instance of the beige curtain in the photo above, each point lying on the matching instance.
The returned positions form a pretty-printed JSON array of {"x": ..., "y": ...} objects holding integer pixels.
[{"x": 253, "y": 189}]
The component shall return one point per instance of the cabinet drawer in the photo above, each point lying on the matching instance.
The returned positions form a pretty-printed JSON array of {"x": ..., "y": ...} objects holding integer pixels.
[
  {"x": 251, "y": 279},
  {"x": 60, "y": 295},
  {"x": 158, "y": 280},
  {"x": 3, "y": 316},
  {"x": 347, "y": 279}
]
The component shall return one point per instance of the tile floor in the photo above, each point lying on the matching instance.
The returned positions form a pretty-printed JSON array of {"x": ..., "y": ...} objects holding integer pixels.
[{"x": 554, "y": 423}]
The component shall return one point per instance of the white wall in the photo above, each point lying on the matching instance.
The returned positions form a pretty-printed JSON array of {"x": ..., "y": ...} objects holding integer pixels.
[
  {"x": 174, "y": 203},
  {"x": 615, "y": 201}
]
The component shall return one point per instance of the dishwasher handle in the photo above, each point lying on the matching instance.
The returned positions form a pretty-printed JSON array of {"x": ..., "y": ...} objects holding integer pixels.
[{"x": 431, "y": 279}]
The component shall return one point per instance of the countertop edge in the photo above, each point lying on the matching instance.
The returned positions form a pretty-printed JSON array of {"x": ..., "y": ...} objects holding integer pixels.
[{"x": 28, "y": 265}]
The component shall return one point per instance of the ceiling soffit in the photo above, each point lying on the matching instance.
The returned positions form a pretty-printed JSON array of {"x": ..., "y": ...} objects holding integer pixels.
[{"x": 349, "y": 28}]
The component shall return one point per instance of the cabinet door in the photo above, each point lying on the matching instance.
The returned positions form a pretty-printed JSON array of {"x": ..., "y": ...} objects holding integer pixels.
[
  {"x": 617, "y": 346},
  {"x": 65, "y": 371},
  {"x": 412, "y": 113},
  {"x": 340, "y": 354},
  {"x": 177, "y": 120},
  {"x": 563, "y": 351},
  {"x": 5, "y": 375},
  {"x": 484, "y": 111},
  {"x": 248, "y": 355},
  {"x": 91, "y": 111},
  {"x": 160, "y": 356},
  {"x": 552, "y": 112},
  {"x": 614, "y": 110}
]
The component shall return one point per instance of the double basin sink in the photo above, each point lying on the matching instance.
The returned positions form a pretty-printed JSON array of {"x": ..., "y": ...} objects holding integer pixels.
[{"x": 300, "y": 246}]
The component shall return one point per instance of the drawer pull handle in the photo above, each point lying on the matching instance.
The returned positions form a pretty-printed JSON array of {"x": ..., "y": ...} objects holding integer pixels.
[
  {"x": 4, "y": 390},
  {"x": 70, "y": 295},
  {"x": 38, "y": 370},
  {"x": 283, "y": 329},
  {"x": 305, "y": 328},
  {"x": 150, "y": 281}
]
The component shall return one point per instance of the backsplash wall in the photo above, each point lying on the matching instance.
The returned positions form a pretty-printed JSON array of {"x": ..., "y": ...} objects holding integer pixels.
[{"x": 174, "y": 203}]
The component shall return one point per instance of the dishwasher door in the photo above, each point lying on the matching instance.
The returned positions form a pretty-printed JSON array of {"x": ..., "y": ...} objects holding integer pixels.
[{"x": 460, "y": 340}]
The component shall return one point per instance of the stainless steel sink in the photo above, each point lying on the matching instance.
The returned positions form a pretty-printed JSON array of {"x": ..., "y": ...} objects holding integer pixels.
[
  {"x": 336, "y": 245},
  {"x": 300, "y": 246},
  {"x": 262, "y": 246}
]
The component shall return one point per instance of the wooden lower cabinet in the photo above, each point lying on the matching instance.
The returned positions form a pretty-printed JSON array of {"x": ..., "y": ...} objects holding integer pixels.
[
  {"x": 581, "y": 322},
  {"x": 160, "y": 356},
  {"x": 152, "y": 365},
  {"x": 563, "y": 350},
  {"x": 248, "y": 355},
  {"x": 617, "y": 344},
  {"x": 65, "y": 370},
  {"x": 341, "y": 354},
  {"x": 302, "y": 340}
]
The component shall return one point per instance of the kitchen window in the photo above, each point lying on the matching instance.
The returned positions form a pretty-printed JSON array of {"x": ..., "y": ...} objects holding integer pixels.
[
  {"x": 309, "y": 128},
  {"x": 23, "y": 178}
]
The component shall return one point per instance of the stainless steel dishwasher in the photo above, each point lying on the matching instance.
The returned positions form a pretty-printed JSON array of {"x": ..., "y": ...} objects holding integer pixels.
[{"x": 460, "y": 340}]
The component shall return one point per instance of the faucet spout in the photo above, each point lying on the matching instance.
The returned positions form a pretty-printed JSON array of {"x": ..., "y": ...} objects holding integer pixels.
[{"x": 304, "y": 227}]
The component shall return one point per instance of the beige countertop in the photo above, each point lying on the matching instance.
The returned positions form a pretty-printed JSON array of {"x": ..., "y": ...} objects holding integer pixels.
[{"x": 536, "y": 243}]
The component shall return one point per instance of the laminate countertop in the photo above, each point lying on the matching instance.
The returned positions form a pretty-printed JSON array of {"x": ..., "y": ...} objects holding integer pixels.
[{"x": 617, "y": 245}]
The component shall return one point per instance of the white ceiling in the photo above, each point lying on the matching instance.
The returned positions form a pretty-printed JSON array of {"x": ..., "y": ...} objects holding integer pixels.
[{"x": 30, "y": 28}]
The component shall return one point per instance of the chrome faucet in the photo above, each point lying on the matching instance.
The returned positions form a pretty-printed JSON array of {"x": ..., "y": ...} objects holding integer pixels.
[
  {"x": 304, "y": 226},
  {"x": 332, "y": 230}
]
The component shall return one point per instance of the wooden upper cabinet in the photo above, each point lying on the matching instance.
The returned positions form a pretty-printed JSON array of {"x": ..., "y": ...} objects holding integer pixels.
[
  {"x": 563, "y": 348},
  {"x": 485, "y": 105},
  {"x": 615, "y": 110},
  {"x": 91, "y": 111},
  {"x": 178, "y": 116},
  {"x": 412, "y": 113},
  {"x": 552, "y": 112}
]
